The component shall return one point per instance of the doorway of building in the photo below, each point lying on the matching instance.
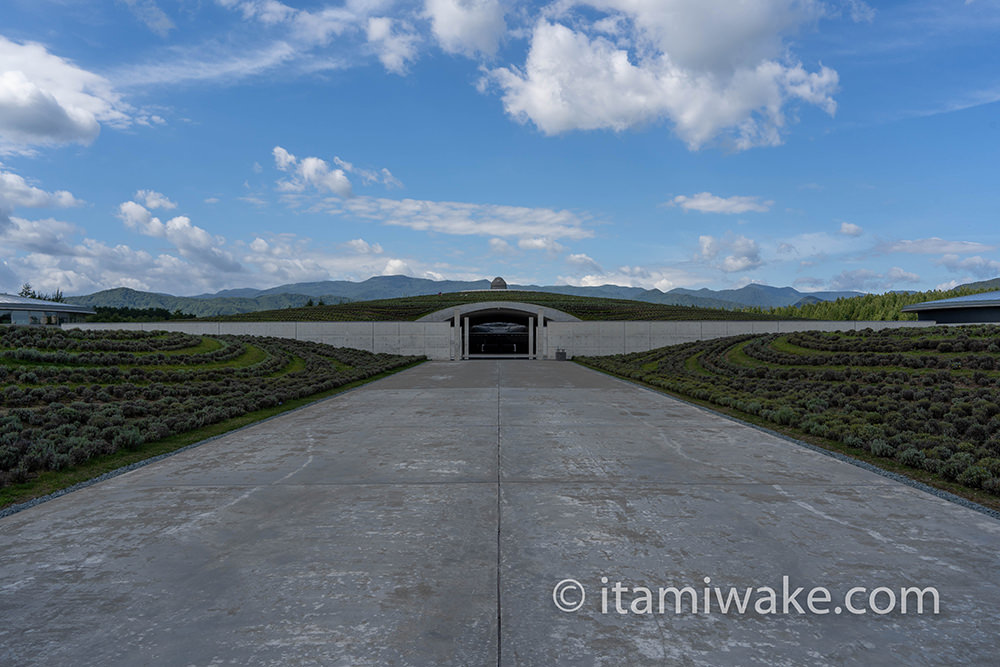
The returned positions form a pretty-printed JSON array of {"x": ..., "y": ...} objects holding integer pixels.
[{"x": 500, "y": 334}]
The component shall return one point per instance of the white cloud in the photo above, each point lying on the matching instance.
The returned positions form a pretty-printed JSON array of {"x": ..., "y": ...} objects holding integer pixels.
[
  {"x": 266, "y": 11},
  {"x": 706, "y": 202},
  {"x": 47, "y": 100},
  {"x": 937, "y": 246},
  {"x": 717, "y": 70},
  {"x": 851, "y": 229},
  {"x": 713, "y": 35},
  {"x": 191, "y": 241},
  {"x": 316, "y": 173},
  {"x": 396, "y": 267},
  {"x": 151, "y": 15},
  {"x": 39, "y": 236},
  {"x": 367, "y": 176},
  {"x": 362, "y": 247},
  {"x": 252, "y": 199},
  {"x": 947, "y": 285},
  {"x": 820, "y": 245},
  {"x": 360, "y": 26},
  {"x": 154, "y": 199},
  {"x": 539, "y": 243},
  {"x": 283, "y": 159},
  {"x": 711, "y": 68},
  {"x": 500, "y": 247},
  {"x": 209, "y": 63},
  {"x": 136, "y": 216},
  {"x": 730, "y": 253},
  {"x": 585, "y": 263},
  {"x": 45, "y": 253},
  {"x": 661, "y": 278},
  {"x": 866, "y": 280},
  {"x": 898, "y": 275},
  {"x": 389, "y": 180},
  {"x": 16, "y": 192},
  {"x": 395, "y": 48},
  {"x": 287, "y": 258},
  {"x": 310, "y": 171},
  {"x": 861, "y": 12},
  {"x": 467, "y": 26},
  {"x": 465, "y": 219},
  {"x": 981, "y": 267}
]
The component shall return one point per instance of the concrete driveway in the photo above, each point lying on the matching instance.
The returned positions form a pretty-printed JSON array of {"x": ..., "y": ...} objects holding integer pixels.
[{"x": 426, "y": 519}]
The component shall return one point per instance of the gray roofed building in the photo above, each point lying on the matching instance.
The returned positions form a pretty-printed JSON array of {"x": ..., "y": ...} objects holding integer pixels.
[
  {"x": 970, "y": 309},
  {"x": 22, "y": 310}
]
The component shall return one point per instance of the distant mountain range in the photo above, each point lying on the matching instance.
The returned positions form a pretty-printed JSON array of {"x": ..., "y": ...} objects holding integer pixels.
[
  {"x": 202, "y": 306},
  {"x": 993, "y": 283},
  {"x": 245, "y": 300}
]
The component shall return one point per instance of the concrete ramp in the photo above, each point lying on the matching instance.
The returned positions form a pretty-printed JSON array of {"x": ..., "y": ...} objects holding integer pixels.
[{"x": 428, "y": 519}]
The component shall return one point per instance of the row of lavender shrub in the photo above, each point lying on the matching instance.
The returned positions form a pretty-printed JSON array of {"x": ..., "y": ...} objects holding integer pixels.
[
  {"x": 107, "y": 393},
  {"x": 928, "y": 398}
]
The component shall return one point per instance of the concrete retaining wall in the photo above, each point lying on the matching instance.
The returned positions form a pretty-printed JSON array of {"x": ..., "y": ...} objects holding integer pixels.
[
  {"x": 435, "y": 340},
  {"x": 431, "y": 339},
  {"x": 600, "y": 338}
]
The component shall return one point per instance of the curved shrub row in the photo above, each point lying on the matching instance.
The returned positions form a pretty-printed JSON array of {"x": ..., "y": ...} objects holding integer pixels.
[
  {"x": 938, "y": 339},
  {"x": 56, "y": 415},
  {"x": 893, "y": 393},
  {"x": 79, "y": 340},
  {"x": 226, "y": 352}
]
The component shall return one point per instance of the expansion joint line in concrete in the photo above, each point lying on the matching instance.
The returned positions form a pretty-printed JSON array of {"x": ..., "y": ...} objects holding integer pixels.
[{"x": 499, "y": 367}]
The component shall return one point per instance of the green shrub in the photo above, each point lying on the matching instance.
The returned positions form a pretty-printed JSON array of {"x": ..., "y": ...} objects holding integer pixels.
[
  {"x": 911, "y": 457},
  {"x": 992, "y": 464},
  {"x": 992, "y": 485},
  {"x": 956, "y": 465},
  {"x": 974, "y": 476},
  {"x": 880, "y": 447}
]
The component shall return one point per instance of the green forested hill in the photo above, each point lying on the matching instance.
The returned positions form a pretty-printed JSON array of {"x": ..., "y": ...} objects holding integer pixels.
[{"x": 886, "y": 306}]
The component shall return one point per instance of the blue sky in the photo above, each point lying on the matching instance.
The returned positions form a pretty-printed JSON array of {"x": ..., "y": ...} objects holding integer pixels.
[{"x": 189, "y": 146}]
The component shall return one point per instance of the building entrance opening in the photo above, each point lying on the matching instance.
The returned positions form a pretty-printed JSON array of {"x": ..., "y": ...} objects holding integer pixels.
[{"x": 499, "y": 334}]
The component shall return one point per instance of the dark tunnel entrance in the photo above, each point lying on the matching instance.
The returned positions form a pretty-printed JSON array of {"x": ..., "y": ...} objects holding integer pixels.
[{"x": 499, "y": 333}]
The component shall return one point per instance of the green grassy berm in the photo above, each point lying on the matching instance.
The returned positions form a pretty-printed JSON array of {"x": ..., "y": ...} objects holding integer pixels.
[{"x": 415, "y": 307}]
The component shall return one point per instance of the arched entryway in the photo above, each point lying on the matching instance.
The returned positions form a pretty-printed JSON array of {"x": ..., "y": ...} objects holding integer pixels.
[
  {"x": 499, "y": 333},
  {"x": 503, "y": 329}
]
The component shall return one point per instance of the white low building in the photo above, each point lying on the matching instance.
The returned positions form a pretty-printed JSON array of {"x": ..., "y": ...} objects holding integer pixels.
[{"x": 22, "y": 310}]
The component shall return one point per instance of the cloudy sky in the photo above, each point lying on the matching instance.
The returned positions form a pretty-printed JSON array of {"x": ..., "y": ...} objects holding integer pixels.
[{"x": 189, "y": 146}]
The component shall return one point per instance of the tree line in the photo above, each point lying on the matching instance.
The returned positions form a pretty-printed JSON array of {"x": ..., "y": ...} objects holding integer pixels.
[{"x": 868, "y": 307}]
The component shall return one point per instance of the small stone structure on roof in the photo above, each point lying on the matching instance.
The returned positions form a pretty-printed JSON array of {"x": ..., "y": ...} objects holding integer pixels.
[{"x": 498, "y": 283}]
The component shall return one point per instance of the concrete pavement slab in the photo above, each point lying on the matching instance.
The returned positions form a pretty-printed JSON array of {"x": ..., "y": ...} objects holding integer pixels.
[{"x": 425, "y": 519}]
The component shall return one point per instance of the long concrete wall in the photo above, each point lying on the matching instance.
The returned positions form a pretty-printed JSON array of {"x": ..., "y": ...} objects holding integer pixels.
[
  {"x": 440, "y": 341},
  {"x": 430, "y": 339},
  {"x": 601, "y": 338}
]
